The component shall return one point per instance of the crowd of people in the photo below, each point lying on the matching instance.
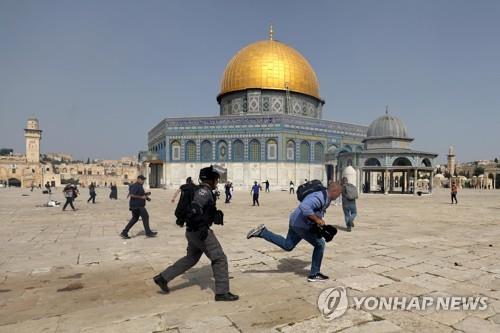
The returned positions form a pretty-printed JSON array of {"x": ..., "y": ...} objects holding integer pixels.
[{"x": 197, "y": 211}]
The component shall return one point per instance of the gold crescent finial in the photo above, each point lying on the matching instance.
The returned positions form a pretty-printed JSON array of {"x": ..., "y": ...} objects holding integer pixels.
[{"x": 270, "y": 32}]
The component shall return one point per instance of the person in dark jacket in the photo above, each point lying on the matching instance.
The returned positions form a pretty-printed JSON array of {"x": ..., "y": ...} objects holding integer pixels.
[
  {"x": 70, "y": 193},
  {"x": 202, "y": 212},
  {"x": 114, "y": 191},
  {"x": 137, "y": 205},
  {"x": 92, "y": 193}
]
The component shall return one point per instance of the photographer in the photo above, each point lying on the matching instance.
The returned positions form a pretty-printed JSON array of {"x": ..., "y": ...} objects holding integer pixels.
[
  {"x": 201, "y": 214},
  {"x": 137, "y": 206}
]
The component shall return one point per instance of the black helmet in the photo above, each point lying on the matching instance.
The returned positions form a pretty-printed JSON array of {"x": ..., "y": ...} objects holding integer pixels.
[{"x": 209, "y": 173}]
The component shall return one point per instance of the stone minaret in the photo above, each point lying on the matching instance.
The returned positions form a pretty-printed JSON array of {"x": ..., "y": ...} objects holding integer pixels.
[
  {"x": 33, "y": 135},
  {"x": 451, "y": 161}
]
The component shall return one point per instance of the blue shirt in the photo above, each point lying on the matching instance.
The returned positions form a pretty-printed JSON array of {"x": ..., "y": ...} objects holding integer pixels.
[
  {"x": 136, "y": 189},
  {"x": 255, "y": 189},
  {"x": 314, "y": 203}
]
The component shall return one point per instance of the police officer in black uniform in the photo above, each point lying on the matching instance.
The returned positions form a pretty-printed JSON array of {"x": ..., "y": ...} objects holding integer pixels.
[{"x": 201, "y": 239}]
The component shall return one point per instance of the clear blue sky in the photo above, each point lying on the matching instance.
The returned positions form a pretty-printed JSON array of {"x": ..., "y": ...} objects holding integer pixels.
[{"x": 100, "y": 74}]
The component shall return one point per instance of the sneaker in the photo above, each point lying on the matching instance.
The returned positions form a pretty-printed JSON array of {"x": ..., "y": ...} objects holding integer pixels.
[
  {"x": 151, "y": 234},
  {"x": 352, "y": 224},
  {"x": 124, "y": 235},
  {"x": 256, "y": 231},
  {"x": 162, "y": 283},
  {"x": 348, "y": 229},
  {"x": 318, "y": 277},
  {"x": 226, "y": 297}
]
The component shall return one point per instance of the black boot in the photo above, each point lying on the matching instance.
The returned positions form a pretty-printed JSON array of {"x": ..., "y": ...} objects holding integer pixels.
[
  {"x": 160, "y": 281},
  {"x": 124, "y": 235},
  {"x": 228, "y": 297}
]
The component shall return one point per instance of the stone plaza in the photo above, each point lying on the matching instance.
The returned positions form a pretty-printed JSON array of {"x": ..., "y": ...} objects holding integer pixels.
[{"x": 71, "y": 272}]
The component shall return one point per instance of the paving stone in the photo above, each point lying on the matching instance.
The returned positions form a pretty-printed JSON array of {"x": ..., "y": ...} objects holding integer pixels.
[
  {"x": 404, "y": 254},
  {"x": 476, "y": 325}
]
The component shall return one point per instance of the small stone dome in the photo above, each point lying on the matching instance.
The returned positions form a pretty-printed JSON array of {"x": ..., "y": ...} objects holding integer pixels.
[{"x": 387, "y": 126}]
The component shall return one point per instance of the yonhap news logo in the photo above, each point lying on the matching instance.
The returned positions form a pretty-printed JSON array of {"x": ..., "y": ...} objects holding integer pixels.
[{"x": 333, "y": 303}]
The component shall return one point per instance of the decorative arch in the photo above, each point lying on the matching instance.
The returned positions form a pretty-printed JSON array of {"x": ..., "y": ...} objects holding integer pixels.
[
  {"x": 254, "y": 150},
  {"x": 348, "y": 148},
  {"x": 238, "y": 150},
  {"x": 372, "y": 161},
  {"x": 305, "y": 151},
  {"x": 206, "y": 150},
  {"x": 222, "y": 152},
  {"x": 401, "y": 161},
  {"x": 175, "y": 150},
  {"x": 190, "y": 151},
  {"x": 14, "y": 182},
  {"x": 271, "y": 149},
  {"x": 319, "y": 152},
  {"x": 290, "y": 150},
  {"x": 426, "y": 162}
]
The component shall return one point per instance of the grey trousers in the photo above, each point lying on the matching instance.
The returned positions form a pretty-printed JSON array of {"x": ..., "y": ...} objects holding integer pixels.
[{"x": 196, "y": 247}]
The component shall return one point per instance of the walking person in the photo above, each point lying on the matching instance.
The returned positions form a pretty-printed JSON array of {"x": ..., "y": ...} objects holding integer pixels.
[
  {"x": 47, "y": 186},
  {"x": 267, "y": 185},
  {"x": 292, "y": 187},
  {"x": 454, "y": 191},
  {"x": 137, "y": 205},
  {"x": 186, "y": 190},
  {"x": 189, "y": 183},
  {"x": 113, "y": 195},
  {"x": 201, "y": 214},
  {"x": 70, "y": 192},
  {"x": 92, "y": 193},
  {"x": 227, "y": 189},
  {"x": 255, "y": 192},
  {"x": 349, "y": 196},
  {"x": 302, "y": 223}
]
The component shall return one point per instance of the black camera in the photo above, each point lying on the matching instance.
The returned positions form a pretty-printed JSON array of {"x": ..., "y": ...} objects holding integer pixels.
[
  {"x": 147, "y": 194},
  {"x": 219, "y": 217}
]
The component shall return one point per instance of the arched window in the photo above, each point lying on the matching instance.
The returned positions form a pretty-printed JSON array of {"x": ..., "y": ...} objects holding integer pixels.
[
  {"x": 290, "y": 150},
  {"x": 304, "y": 151},
  {"x": 238, "y": 150},
  {"x": 254, "y": 150},
  {"x": 222, "y": 153},
  {"x": 175, "y": 150},
  {"x": 206, "y": 151},
  {"x": 272, "y": 149},
  {"x": 190, "y": 151},
  {"x": 319, "y": 152}
]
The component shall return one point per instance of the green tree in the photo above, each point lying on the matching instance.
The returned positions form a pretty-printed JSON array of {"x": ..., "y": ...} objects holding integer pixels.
[{"x": 478, "y": 171}]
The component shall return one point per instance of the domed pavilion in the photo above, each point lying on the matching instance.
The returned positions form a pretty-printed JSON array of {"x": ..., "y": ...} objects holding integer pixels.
[
  {"x": 269, "y": 126},
  {"x": 387, "y": 164}
]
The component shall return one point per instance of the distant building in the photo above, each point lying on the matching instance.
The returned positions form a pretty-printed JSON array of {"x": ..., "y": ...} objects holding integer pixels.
[
  {"x": 26, "y": 170},
  {"x": 386, "y": 163}
]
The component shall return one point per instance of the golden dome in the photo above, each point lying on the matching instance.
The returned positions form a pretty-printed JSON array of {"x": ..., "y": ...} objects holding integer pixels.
[{"x": 269, "y": 64}]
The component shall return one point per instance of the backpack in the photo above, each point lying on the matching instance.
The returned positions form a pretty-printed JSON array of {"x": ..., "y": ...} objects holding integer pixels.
[
  {"x": 187, "y": 196},
  {"x": 309, "y": 187},
  {"x": 350, "y": 192}
]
